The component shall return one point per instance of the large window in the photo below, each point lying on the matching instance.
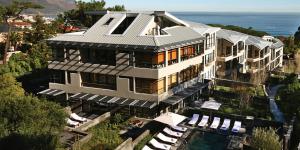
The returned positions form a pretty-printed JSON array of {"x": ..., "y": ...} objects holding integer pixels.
[
  {"x": 58, "y": 53},
  {"x": 150, "y": 86},
  {"x": 149, "y": 60},
  {"x": 98, "y": 80},
  {"x": 57, "y": 76},
  {"x": 98, "y": 56},
  {"x": 172, "y": 82}
]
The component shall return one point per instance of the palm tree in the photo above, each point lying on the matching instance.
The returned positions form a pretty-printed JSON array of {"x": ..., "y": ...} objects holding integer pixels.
[
  {"x": 15, "y": 39},
  {"x": 12, "y": 12}
]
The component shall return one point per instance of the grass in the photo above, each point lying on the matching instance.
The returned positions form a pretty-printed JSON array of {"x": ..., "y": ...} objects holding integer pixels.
[{"x": 106, "y": 134}]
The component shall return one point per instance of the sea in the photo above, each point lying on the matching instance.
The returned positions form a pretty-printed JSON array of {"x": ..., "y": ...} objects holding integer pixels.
[{"x": 276, "y": 24}]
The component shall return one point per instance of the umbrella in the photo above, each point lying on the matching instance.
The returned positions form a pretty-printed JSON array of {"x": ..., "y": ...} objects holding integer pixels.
[
  {"x": 170, "y": 118},
  {"x": 211, "y": 104}
]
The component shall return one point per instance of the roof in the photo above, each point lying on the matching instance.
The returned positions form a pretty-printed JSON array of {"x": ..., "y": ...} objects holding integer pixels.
[
  {"x": 277, "y": 43},
  {"x": 231, "y": 36},
  {"x": 133, "y": 35},
  {"x": 258, "y": 42}
]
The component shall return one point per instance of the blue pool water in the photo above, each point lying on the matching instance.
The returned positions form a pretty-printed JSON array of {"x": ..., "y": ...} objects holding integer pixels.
[
  {"x": 284, "y": 24},
  {"x": 207, "y": 141}
]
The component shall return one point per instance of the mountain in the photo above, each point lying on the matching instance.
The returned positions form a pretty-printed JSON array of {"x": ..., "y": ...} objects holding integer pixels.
[{"x": 51, "y": 7}]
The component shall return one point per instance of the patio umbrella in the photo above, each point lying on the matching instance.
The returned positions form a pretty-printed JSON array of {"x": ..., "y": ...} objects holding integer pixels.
[
  {"x": 211, "y": 104},
  {"x": 170, "y": 118}
]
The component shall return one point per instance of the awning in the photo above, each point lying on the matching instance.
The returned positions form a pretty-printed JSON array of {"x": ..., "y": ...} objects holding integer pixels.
[
  {"x": 170, "y": 118},
  {"x": 101, "y": 99},
  {"x": 211, "y": 104},
  {"x": 178, "y": 97},
  {"x": 52, "y": 92}
]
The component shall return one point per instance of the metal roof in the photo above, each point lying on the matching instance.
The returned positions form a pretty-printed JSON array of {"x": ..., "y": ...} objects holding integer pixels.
[
  {"x": 101, "y": 99},
  {"x": 231, "y": 36},
  {"x": 100, "y": 33}
]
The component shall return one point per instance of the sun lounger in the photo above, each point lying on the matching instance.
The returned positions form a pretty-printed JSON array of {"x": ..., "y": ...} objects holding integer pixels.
[
  {"x": 177, "y": 128},
  {"x": 159, "y": 145},
  {"x": 215, "y": 123},
  {"x": 71, "y": 122},
  {"x": 203, "y": 121},
  {"x": 225, "y": 125},
  {"x": 166, "y": 139},
  {"x": 194, "y": 119},
  {"x": 147, "y": 148},
  {"x": 77, "y": 118},
  {"x": 236, "y": 127},
  {"x": 172, "y": 133}
]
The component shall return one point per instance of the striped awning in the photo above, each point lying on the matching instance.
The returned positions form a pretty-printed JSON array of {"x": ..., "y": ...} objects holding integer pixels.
[
  {"x": 52, "y": 92},
  {"x": 101, "y": 99}
]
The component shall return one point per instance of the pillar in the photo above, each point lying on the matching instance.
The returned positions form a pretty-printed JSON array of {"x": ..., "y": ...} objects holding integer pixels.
[
  {"x": 166, "y": 58},
  {"x": 178, "y": 55}
]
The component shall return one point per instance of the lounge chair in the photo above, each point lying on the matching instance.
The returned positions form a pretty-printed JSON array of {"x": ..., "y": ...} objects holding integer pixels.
[
  {"x": 77, "y": 118},
  {"x": 172, "y": 133},
  {"x": 194, "y": 119},
  {"x": 236, "y": 127},
  {"x": 215, "y": 123},
  {"x": 159, "y": 145},
  {"x": 203, "y": 121},
  {"x": 166, "y": 138},
  {"x": 72, "y": 123},
  {"x": 177, "y": 128},
  {"x": 225, "y": 125},
  {"x": 146, "y": 147}
]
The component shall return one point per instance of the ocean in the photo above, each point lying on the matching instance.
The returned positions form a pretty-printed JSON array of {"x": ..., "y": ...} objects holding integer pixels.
[{"x": 276, "y": 24}]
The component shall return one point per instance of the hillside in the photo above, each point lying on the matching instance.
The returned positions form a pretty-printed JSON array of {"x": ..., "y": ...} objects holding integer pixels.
[
  {"x": 51, "y": 7},
  {"x": 249, "y": 31}
]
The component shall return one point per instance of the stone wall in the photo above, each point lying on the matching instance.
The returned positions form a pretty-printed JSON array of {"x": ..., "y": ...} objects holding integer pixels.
[{"x": 129, "y": 144}]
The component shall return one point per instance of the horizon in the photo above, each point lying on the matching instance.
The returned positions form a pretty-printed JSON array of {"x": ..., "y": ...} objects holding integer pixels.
[{"x": 274, "y": 6}]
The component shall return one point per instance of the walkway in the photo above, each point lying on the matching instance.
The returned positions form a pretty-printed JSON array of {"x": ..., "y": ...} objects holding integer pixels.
[{"x": 271, "y": 93}]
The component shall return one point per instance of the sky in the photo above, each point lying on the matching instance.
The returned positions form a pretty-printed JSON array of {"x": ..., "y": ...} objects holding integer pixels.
[{"x": 210, "y": 5}]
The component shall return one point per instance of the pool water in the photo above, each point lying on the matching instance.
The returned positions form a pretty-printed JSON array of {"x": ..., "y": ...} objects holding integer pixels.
[{"x": 207, "y": 141}]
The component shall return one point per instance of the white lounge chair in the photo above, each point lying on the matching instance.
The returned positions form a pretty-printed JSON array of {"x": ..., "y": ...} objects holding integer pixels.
[
  {"x": 236, "y": 127},
  {"x": 177, "y": 128},
  {"x": 159, "y": 145},
  {"x": 215, "y": 123},
  {"x": 71, "y": 122},
  {"x": 203, "y": 121},
  {"x": 172, "y": 133},
  {"x": 147, "y": 148},
  {"x": 77, "y": 118},
  {"x": 166, "y": 139},
  {"x": 194, "y": 119},
  {"x": 225, "y": 125}
]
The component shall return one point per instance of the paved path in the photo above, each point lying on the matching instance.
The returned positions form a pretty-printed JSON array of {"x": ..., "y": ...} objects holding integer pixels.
[{"x": 278, "y": 115}]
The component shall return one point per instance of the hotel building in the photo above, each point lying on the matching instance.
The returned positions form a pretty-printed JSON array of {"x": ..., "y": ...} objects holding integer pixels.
[{"x": 150, "y": 61}]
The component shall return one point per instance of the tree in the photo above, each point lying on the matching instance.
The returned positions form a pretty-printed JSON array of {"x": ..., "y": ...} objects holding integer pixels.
[
  {"x": 9, "y": 86},
  {"x": 15, "y": 39},
  {"x": 266, "y": 139},
  {"x": 297, "y": 36},
  {"x": 79, "y": 14},
  {"x": 12, "y": 12},
  {"x": 245, "y": 96}
]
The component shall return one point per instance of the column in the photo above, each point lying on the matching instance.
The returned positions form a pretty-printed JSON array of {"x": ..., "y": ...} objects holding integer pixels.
[
  {"x": 166, "y": 83},
  {"x": 134, "y": 87},
  {"x": 178, "y": 55},
  {"x": 166, "y": 58}
]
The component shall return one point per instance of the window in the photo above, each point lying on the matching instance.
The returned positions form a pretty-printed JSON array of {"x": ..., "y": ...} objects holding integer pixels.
[
  {"x": 108, "y": 21},
  {"x": 124, "y": 25},
  {"x": 98, "y": 56},
  {"x": 172, "y": 80},
  {"x": 150, "y": 86},
  {"x": 98, "y": 80},
  {"x": 58, "y": 53},
  {"x": 57, "y": 76}
]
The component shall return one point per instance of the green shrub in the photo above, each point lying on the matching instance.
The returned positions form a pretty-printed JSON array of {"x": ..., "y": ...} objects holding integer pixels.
[{"x": 143, "y": 142}]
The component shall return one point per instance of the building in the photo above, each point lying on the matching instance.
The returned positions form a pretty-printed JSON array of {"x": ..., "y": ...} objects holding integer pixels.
[
  {"x": 247, "y": 58},
  {"x": 149, "y": 61}
]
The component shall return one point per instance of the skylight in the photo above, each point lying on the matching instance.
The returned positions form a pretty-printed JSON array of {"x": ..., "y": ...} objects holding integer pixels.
[
  {"x": 108, "y": 21},
  {"x": 124, "y": 25}
]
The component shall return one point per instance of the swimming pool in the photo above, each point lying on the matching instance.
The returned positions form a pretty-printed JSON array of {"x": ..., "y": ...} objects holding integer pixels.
[{"x": 207, "y": 141}]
